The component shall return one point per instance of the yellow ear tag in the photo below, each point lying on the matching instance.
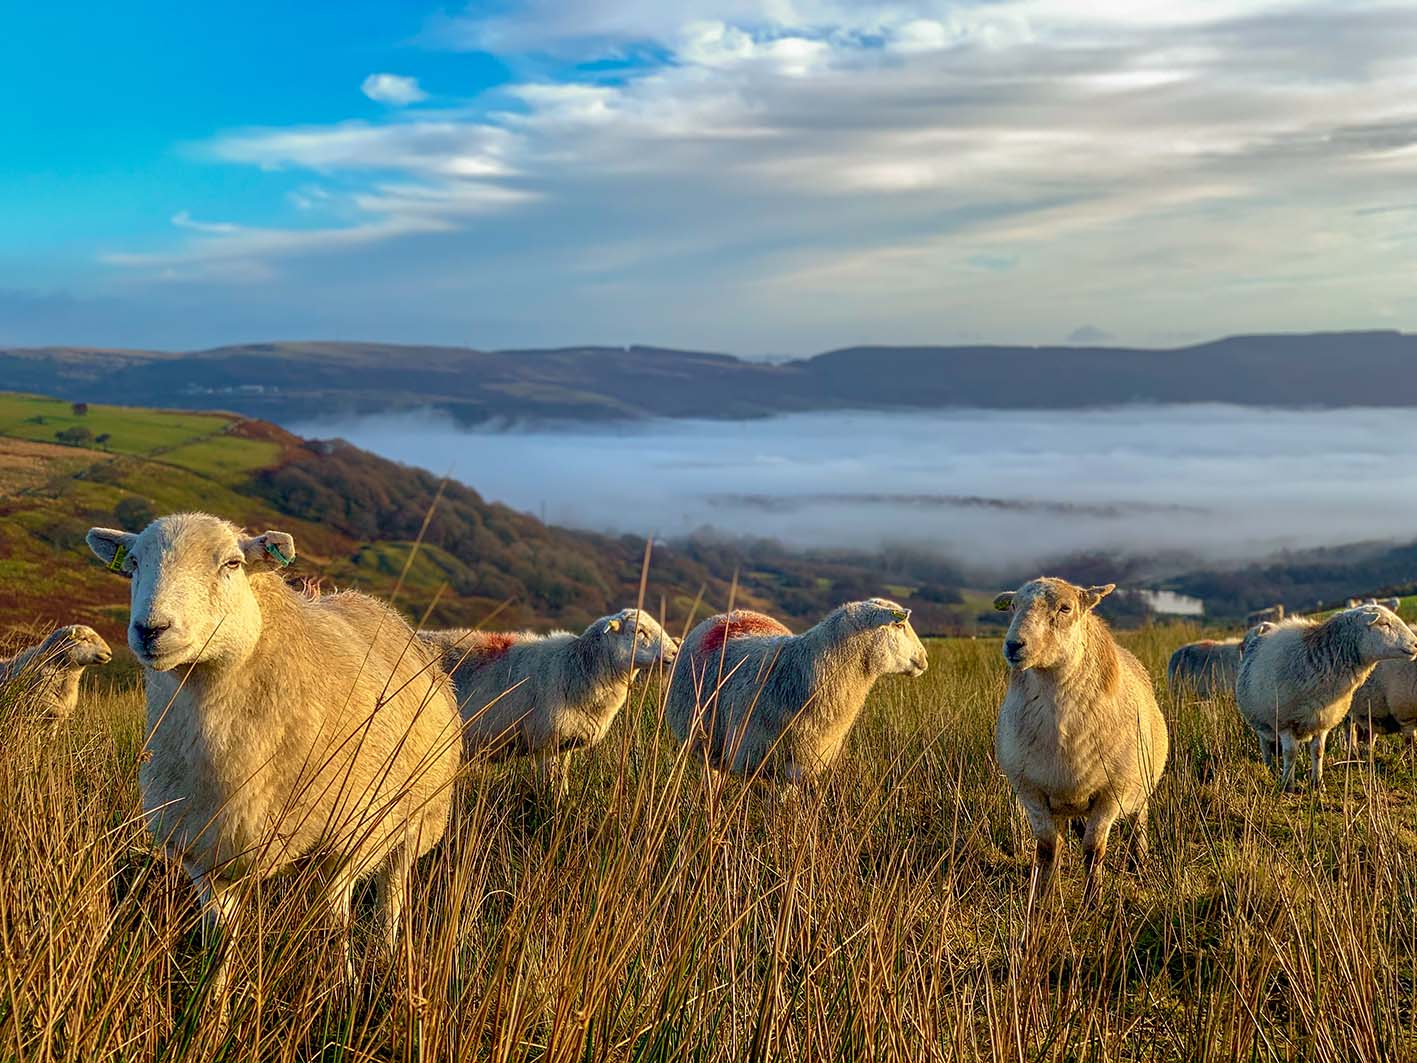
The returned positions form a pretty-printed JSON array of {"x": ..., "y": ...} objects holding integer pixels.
[
  {"x": 614, "y": 625},
  {"x": 275, "y": 552},
  {"x": 899, "y": 614},
  {"x": 116, "y": 565}
]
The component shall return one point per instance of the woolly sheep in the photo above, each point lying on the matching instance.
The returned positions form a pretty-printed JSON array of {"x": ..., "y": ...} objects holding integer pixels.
[
  {"x": 758, "y": 700},
  {"x": 1080, "y": 735},
  {"x": 1297, "y": 679},
  {"x": 46, "y": 677},
  {"x": 1205, "y": 668},
  {"x": 1386, "y": 703},
  {"x": 279, "y": 726},
  {"x": 543, "y": 696},
  {"x": 1273, "y": 615}
]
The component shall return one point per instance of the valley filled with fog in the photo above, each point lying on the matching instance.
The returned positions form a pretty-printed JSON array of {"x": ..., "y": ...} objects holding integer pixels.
[{"x": 988, "y": 488}]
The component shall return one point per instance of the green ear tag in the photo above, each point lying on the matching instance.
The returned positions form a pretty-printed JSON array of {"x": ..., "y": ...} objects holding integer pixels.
[
  {"x": 899, "y": 614},
  {"x": 275, "y": 552},
  {"x": 116, "y": 565}
]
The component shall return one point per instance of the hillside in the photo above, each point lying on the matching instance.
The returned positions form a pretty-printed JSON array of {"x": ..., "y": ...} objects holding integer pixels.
[
  {"x": 356, "y": 516},
  {"x": 286, "y": 382}
]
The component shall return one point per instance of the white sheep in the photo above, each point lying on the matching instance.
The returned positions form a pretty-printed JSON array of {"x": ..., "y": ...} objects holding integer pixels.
[
  {"x": 1206, "y": 668},
  {"x": 1297, "y": 679},
  {"x": 1080, "y": 735},
  {"x": 1272, "y": 615},
  {"x": 280, "y": 726},
  {"x": 46, "y": 677},
  {"x": 523, "y": 694},
  {"x": 1386, "y": 703},
  {"x": 758, "y": 700}
]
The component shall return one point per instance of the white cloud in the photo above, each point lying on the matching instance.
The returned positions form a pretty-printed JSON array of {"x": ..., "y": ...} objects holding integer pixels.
[
  {"x": 393, "y": 89},
  {"x": 782, "y": 173}
]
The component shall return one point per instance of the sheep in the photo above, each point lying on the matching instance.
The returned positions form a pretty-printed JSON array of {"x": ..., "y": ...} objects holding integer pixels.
[
  {"x": 1273, "y": 614},
  {"x": 1395, "y": 604},
  {"x": 546, "y": 695},
  {"x": 46, "y": 677},
  {"x": 1386, "y": 703},
  {"x": 1297, "y": 680},
  {"x": 281, "y": 728},
  {"x": 1206, "y": 668},
  {"x": 759, "y": 701},
  {"x": 1080, "y": 736}
]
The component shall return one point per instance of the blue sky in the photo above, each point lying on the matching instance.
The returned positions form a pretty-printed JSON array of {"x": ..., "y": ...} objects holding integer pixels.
[{"x": 768, "y": 177}]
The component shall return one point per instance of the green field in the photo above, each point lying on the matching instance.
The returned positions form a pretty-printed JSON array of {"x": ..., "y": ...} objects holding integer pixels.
[{"x": 667, "y": 914}]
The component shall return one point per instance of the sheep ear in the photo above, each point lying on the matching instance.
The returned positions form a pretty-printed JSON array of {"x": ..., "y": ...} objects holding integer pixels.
[
  {"x": 896, "y": 616},
  {"x": 272, "y": 547},
  {"x": 1004, "y": 602},
  {"x": 113, "y": 548},
  {"x": 1092, "y": 595}
]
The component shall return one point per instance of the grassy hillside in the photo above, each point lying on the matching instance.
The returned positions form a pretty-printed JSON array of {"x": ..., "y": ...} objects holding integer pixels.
[
  {"x": 666, "y": 914},
  {"x": 355, "y": 518}
]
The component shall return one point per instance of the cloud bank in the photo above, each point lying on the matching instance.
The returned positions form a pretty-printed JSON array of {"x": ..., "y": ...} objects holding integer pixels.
[{"x": 990, "y": 489}]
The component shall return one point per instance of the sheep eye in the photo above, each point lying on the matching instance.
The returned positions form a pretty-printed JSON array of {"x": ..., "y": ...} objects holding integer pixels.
[
  {"x": 232, "y": 565},
  {"x": 1065, "y": 608}
]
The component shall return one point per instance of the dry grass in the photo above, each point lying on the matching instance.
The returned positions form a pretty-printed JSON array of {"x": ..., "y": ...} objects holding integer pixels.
[{"x": 667, "y": 914}]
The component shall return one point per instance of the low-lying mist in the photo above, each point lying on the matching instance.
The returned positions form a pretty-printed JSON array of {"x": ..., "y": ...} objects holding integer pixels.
[{"x": 990, "y": 489}]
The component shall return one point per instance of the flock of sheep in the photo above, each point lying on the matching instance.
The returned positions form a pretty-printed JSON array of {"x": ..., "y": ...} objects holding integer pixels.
[
  {"x": 284, "y": 725},
  {"x": 1295, "y": 681}
]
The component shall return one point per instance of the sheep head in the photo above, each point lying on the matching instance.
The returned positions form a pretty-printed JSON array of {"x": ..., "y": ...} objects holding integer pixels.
[
  {"x": 78, "y": 646},
  {"x": 1381, "y": 635},
  {"x": 191, "y": 596},
  {"x": 1047, "y": 629},
  {"x": 892, "y": 647},
  {"x": 633, "y": 639}
]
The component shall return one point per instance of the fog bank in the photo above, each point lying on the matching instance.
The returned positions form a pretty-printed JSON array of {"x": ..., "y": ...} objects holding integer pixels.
[{"x": 987, "y": 487}]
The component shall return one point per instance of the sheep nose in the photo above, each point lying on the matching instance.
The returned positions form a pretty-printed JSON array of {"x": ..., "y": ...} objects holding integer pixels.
[
  {"x": 148, "y": 633},
  {"x": 1013, "y": 647}
]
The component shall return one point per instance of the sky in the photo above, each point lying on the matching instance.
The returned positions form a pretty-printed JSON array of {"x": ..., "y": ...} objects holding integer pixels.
[{"x": 777, "y": 177}]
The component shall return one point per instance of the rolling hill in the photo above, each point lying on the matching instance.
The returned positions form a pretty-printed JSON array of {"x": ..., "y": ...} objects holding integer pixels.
[{"x": 285, "y": 382}]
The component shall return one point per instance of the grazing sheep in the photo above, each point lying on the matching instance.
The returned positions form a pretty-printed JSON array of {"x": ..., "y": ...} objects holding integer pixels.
[
  {"x": 46, "y": 676},
  {"x": 280, "y": 727},
  {"x": 545, "y": 695},
  {"x": 1297, "y": 680},
  {"x": 1390, "y": 603},
  {"x": 1080, "y": 735},
  {"x": 1205, "y": 668},
  {"x": 759, "y": 700},
  {"x": 1274, "y": 614}
]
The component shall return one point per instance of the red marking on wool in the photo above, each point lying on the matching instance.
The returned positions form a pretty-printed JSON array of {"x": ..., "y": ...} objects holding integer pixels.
[
  {"x": 486, "y": 645},
  {"x": 741, "y": 623}
]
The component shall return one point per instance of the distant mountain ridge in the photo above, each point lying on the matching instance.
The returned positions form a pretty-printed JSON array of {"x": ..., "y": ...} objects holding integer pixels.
[{"x": 300, "y": 380}]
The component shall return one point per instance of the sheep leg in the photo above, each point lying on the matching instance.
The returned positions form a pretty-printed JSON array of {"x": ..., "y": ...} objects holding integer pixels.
[
  {"x": 1141, "y": 842},
  {"x": 1316, "y": 752},
  {"x": 1289, "y": 745},
  {"x": 1049, "y": 838},
  {"x": 553, "y": 775},
  {"x": 1094, "y": 844},
  {"x": 221, "y": 918},
  {"x": 340, "y": 897},
  {"x": 392, "y": 885}
]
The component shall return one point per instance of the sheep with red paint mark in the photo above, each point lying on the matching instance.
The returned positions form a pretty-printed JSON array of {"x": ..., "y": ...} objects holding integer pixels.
[
  {"x": 758, "y": 700},
  {"x": 1205, "y": 669},
  {"x": 545, "y": 696}
]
